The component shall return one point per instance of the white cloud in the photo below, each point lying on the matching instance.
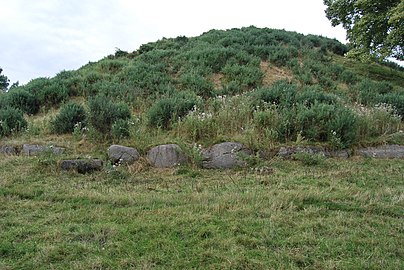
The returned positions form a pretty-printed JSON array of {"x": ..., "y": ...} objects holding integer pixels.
[{"x": 41, "y": 38}]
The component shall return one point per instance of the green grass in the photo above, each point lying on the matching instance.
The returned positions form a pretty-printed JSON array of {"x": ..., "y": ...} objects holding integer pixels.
[{"x": 341, "y": 214}]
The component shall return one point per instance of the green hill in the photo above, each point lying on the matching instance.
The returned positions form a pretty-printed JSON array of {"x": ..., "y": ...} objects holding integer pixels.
[{"x": 263, "y": 87}]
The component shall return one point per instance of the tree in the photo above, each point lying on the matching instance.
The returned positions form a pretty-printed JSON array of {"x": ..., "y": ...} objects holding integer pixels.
[
  {"x": 4, "y": 81},
  {"x": 374, "y": 27}
]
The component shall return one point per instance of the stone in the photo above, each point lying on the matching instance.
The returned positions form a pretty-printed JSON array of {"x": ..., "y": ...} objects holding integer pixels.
[
  {"x": 35, "y": 149},
  {"x": 288, "y": 152},
  {"x": 122, "y": 154},
  {"x": 81, "y": 165},
  {"x": 339, "y": 153},
  {"x": 8, "y": 150},
  {"x": 166, "y": 156},
  {"x": 384, "y": 151},
  {"x": 225, "y": 155}
]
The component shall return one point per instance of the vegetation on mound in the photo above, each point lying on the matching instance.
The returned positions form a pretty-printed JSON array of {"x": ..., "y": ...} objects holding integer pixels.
[{"x": 261, "y": 87}]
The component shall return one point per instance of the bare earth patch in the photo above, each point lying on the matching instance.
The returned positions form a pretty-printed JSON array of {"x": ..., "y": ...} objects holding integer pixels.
[{"x": 273, "y": 74}]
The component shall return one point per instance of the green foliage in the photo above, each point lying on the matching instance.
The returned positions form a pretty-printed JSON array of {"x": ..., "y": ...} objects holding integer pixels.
[
  {"x": 167, "y": 109},
  {"x": 373, "y": 27},
  {"x": 315, "y": 94},
  {"x": 321, "y": 122},
  {"x": 70, "y": 115},
  {"x": 281, "y": 93},
  {"x": 11, "y": 120},
  {"x": 49, "y": 92},
  {"x": 23, "y": 100},
  {"x": 245, "y": 76},
  {"x": 120, "y": 129},
  {"x": 196, "y": 83},
  {"x": 280, "y": 55},
  {"x": 4, "y": 81},
  {"x": 103, "y": 113},
  {"x": 146, "y": 79}
]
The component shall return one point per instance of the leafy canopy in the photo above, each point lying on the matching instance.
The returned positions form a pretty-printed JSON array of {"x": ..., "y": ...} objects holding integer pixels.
[
  {"x": 374, "y": 27},
  {"x": 4, "y": 81}
]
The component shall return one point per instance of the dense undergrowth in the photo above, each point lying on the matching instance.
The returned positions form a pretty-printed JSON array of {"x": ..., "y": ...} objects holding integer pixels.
[{"x": 262, "y": 87}]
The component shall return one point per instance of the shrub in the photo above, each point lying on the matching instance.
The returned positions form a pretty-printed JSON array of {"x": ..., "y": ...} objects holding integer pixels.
[
  {"x": 246, "y": 76},
  {"x": 321, "y": 121},
  {"x": 396, "y": 100},
  {"x": 23, "y": 100},
  {"x": 53, "y": 94},
  {"x": 280, "y": 93},
  {"x": 48, "y": 92},
  {"x": 196, "y": 83},
  {"x": 280, "y": 55},
  {"x": 11, "y": 120},
  {"x": 315, "y": 94},
  {"x": 70, "y": 115},
  {"x": 145, "y": 79},
  {"x": 166, "y": 109},
  {"x": 103, "y": 113},
  {"x": 120, "y": 129},
  {"x": 348, "y": 77}
]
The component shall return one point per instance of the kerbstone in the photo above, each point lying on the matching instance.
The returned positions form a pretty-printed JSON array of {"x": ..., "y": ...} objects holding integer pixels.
[
  {"x": 225, "y": 155},
  {"x": 166, "y": 156},
  {"x": 122, "y": 154}
]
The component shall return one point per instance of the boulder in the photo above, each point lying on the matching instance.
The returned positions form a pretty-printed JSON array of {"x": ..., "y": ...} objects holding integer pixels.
[
  {"x": 35, "y": 149},
  {"x": 288, "y": 152},
  {"x": 339, "y": 154},
  {"x": 81, "y": 165},
  {"x": 166, "y": 156},
  {"x": 122, "y": 154},
  {"x": 8, "y": 150},
  {"x": 225, "y": 155},
  {"x": 384, "y": 151}
]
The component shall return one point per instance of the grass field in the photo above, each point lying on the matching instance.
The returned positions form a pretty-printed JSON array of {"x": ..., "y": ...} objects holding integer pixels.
[{"x": 340, "y": 214}]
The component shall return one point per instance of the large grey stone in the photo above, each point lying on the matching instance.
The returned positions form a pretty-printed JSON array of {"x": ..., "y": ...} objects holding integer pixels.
[
  {"x": 122, "y": 154},
  {"x": 384, "y": 151},
  {"x": 225, "y": 155},
  {"x": 81, "y": 165},
  {"x": 166, "y": 156},
  {"x": 35, "y": 149},
  {"x": 8, "y": 150},
  {"x": 288, "y": 152}
]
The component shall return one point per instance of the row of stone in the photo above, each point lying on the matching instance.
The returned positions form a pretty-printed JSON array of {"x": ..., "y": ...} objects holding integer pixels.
[
  {"x": 220, "y": 156},
  {"x": 30, "y": 150}
]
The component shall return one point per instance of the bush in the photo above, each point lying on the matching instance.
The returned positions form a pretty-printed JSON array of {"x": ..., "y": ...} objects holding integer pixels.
[
  {"x": 246, "y": 76},
  {"x": 11, "y": 120},
  {"x": 280, "y": 55},
  {"x": 196, "y": 83},
  {"x": 145, "y": 79},
  {"x": 103, "y": 113},
  {"x": 167, "y": 109},
  {"x": 281, "y": 93},
  {"x": 120, "y": 129},
  {"x": 23, "y": 100},
  {"x": 321, "y": 122},
  {"x": 315, "y": 94},
  {"x": 53, "y": 95},
  {"x": 70, "y": 115},
  {"x": 48, "y": 92}
]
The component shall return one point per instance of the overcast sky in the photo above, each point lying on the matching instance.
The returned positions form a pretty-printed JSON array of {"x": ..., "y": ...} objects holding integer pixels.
[{"x": 43, "y": 37}]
